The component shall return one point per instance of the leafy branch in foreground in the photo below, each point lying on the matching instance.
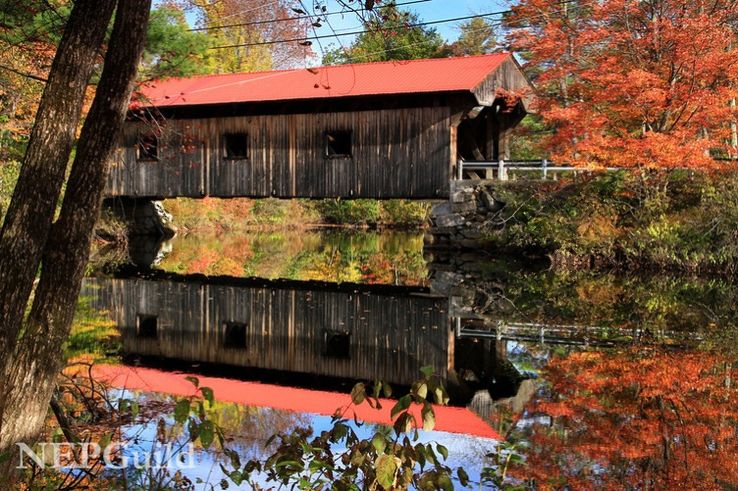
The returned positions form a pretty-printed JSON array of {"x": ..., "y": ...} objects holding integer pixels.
[{"x": 337, "y": 458}]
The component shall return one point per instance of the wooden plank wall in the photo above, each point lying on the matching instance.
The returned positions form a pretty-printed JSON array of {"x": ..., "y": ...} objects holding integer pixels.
[
  {"x": 391, "y": 336},
  {"x": 508, "y": 77},
  {"x": 397, "y": 153}
]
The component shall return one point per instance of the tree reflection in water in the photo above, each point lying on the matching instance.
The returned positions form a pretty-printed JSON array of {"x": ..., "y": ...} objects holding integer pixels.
[
  {"x": 369, "y": 257},
  {"x": 639, "y": 418}
]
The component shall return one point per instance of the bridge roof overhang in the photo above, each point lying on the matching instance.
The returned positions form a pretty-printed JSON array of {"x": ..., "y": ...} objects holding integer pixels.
[{"x": 482, "y": 77}]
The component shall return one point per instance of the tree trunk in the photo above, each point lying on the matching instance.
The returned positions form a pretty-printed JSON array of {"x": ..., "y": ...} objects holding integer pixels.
[
  {"x": 734, "y": 131},
  {"x": 39, "y": 356},
  {"x": 31, "y": 211}
]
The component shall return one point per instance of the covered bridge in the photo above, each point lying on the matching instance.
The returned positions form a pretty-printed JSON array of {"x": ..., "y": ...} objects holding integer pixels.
[{"x": 372, "y": 130}]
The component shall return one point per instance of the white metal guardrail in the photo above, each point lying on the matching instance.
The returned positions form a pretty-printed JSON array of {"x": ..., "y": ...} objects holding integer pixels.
[
  {"x": 501, "y": 168},
  {"x": 573, "y": 335}
]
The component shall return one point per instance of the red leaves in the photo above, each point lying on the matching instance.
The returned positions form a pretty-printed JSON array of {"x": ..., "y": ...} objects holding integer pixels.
[
  {"x": 632, "y": 86},
  {"x": 656, "y": 416}
]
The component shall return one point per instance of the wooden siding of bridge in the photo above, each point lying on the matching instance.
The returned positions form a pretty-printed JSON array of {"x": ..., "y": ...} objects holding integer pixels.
[
  {"x": 397, "y": 153},
  {"x": 391, "y": 336}
]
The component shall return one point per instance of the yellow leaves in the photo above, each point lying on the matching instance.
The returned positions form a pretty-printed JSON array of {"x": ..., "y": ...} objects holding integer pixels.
[
  {"x": 596, "y": 228},
  {"x": 598, "y": 292},
  {"x": 386, "y": 467}
]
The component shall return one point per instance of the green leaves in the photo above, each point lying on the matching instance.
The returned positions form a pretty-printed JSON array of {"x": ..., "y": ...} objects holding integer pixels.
[
  {"x": 182, "y": 410},
  {"x": 379, "y": 443},
  {"x": 442, "y": 450},
  {"x": 386, "y": 469},
  {"x": 338, "y": 458},
  {"x": 420, "y": 390},
  {"x": 444, "y": 482},
  {"x": 207, "y": 433},
  {"x": 128, "y": 406},
  {"x": 404, "y": 423},
  {"x": 172, "y": 50},
  {"x": 402, "y": 405},
  {"x": 207, "y": 393},
  {"x": 390, "y": 38},
  {"x": 358, "y": 394},
  {"x": 429, "y": 417},
  {"x": 441, "y": 396}
]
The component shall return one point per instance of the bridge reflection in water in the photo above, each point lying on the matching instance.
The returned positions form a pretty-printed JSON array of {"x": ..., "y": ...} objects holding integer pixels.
[{"x": 352, "y": 332}]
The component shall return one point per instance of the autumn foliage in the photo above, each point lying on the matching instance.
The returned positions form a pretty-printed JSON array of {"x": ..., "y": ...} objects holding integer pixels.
[
  {"x": 633, "y": 83},
  {"x": 637, "y": 419}
]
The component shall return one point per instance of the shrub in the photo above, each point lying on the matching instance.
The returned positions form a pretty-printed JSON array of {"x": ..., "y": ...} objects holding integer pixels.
[
  {"x": 349, "y": 212},
  {"x": 670, "y": 220}
]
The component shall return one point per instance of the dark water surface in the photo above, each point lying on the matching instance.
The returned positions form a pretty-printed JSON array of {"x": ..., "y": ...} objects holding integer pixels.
[{"x": 596, "y": 380}]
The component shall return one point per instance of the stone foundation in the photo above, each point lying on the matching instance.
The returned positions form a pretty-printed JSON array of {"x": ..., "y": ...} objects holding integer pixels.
[
  {"x": 142, "y": 217},
  {"x": 460, "y": 222}
]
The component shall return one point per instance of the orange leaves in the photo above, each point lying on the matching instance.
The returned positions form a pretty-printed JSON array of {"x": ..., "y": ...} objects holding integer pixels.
[
  {"x": 629, "y": 85},
  {"x": 556, "y": 409},
  {"x": 653, "y": 417}
]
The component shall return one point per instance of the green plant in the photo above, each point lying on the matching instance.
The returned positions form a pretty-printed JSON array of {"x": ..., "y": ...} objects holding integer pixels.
[
  {"x": 400, "y": 212},
  {"x": 673, "y": 220},
  {"x": 338, "y": 459},
  {"x": 8, "y": 176},
  {"x": 349, "y": 212}
]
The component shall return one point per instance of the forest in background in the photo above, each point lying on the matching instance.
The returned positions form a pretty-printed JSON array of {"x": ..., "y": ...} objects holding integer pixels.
[
  {"x": 657, "y": 96},
  {"x": 175, "y": 49},
  {"x": 681, "y": 60}
]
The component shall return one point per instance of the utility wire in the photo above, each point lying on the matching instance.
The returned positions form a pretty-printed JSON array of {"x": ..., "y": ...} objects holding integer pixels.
[
  {"x": 299, "y": 17},
  {"x": 496, "y": 22},
  {"x": 354, "y": 33}
]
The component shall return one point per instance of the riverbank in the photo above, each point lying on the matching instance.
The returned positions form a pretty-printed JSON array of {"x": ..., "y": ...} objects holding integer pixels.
[
  {"x": 662, "y": 221},
  {"x": 242, "y": 214}
]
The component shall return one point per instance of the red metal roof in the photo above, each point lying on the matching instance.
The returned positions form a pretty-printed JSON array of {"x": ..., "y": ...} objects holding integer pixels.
[
  {"x": 364, "y": 79},
  {"x": 448, "y": 419}
]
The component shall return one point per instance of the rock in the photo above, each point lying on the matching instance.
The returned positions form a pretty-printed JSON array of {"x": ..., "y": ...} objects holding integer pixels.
[
  {"x": 462, "y": 196},
  {"x": 470, "y": 244},
  {"x": 449, "y": 220},
  {"x": 443, "y": 230},
  {"x": 472, "y": 233},
  {"x": 441, "y": 210},
  {"x": 490, "y": 203},
  {"x": 464, "y": 207}
]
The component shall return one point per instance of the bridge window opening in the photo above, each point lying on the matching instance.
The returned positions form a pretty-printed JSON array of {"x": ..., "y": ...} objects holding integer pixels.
[
  {"x": 148, "y": 148},
  {"x": 147, "y": 326},
  {"x": 338, "y": 144},
  {"x": 236, "y": 146},
  {"x": 235, "y": 335},
  {"x": 337, "y": 344},
  {"x": 476, "y": 137}
]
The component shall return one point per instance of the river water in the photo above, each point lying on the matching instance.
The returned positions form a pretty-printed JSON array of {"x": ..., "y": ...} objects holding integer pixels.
[{"x": 590, "y": 380}]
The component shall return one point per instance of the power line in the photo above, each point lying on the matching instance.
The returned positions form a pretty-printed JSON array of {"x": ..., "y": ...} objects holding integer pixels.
[
  {"x": 354, "y": 33},
  {"x": 498, "y": 22},
  {"x": 408, "y": 26},
  {"x": 299, "y": 17}
]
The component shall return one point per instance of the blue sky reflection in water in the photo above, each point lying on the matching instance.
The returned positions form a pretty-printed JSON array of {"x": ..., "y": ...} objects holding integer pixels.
[
  {"x": 250, "y": 431},
  {"x": 568, "y": 328}
]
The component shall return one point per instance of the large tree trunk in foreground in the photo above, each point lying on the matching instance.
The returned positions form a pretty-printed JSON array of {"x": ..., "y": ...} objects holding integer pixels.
[
  {"x": 39, "y": 356},
  {"x": 31, "y": 211}
]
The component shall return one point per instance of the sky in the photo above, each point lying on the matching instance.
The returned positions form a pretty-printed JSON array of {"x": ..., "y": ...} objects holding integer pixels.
[
  {"x": 429, "y": 10},
  {"x": 433, "y": 10}
]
